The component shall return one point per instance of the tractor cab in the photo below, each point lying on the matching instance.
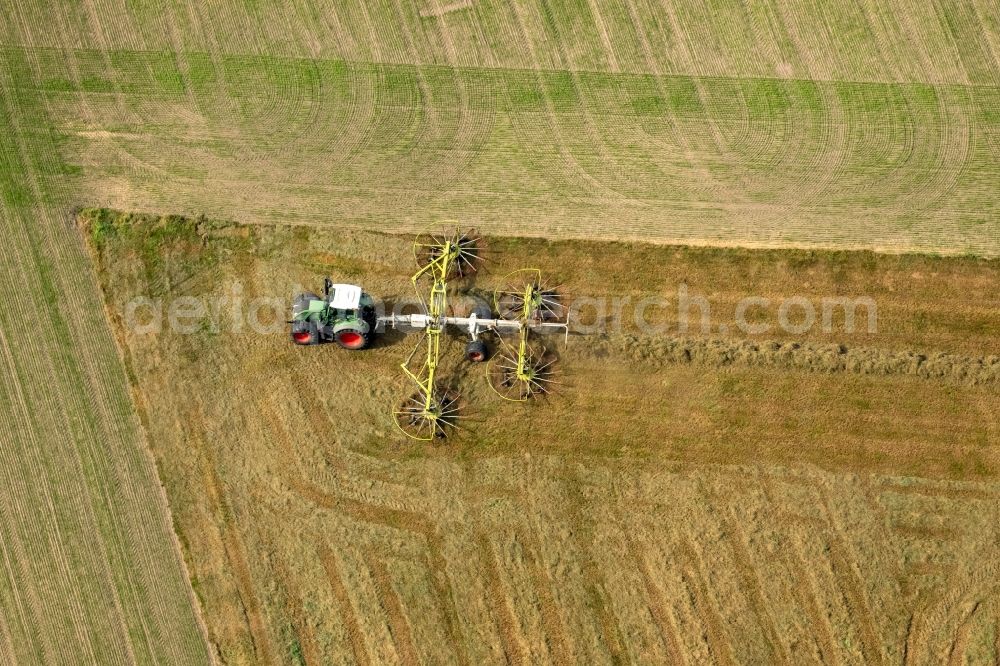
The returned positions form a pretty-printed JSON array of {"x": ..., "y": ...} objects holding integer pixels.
[
  {"x": 345, "y": 314},
  {"x": 345, "y": 296}
]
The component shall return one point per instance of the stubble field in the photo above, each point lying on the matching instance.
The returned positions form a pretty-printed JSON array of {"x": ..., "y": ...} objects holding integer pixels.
[
  {"x": 835, "y": 125},
  {"x": 658, "y": 509}
]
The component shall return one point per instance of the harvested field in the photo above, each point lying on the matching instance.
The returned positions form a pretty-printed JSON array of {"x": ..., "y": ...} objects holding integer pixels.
[
  {"x": 90, "y": 571},
  {"x": 855, "y": 126},
  {"x": 764, "y": 124},
  {"x": 654, "y": 510}
]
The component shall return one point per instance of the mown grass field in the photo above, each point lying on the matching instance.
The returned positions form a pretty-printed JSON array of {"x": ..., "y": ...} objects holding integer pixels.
[
  {"x": 654, "y": 511},
  {"x": 91, "y": 572},
  {"x": 865, "y": 125},
  {"x": 848, "y": 125}
]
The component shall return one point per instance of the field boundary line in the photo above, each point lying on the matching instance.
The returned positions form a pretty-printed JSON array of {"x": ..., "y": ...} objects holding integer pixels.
[{"x": 126, "y": 368}]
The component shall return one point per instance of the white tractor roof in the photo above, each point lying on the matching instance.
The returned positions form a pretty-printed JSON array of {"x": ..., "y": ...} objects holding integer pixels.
[{"x": 345, "y": 296}]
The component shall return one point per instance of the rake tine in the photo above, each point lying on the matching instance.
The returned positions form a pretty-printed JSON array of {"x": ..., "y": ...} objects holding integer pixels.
[
  {"x": 533, "y": 381},
  {"x": 542, "y": 367}
]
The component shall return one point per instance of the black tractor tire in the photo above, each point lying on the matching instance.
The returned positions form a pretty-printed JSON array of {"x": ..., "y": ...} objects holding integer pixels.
[
  {"x": 305, "y": 333},
  {"x": 352, "y": 339},
  {"x": 476, "y": 351}
]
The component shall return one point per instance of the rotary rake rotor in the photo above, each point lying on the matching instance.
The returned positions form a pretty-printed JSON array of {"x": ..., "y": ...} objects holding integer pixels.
[
  {"x": 518, "y": 376},
  {"x": 522, "y": 371},
  {"x": 526, "y": 296},
  {"x": 525, "y": 305},
  {"x": 431, "y": 412},
  {"x": 458, "y": 254},
  {"x": 428, "y": 416}
]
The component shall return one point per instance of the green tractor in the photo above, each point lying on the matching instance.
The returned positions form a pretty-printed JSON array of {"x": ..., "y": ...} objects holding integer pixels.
[{"x": 345, "y": 315}]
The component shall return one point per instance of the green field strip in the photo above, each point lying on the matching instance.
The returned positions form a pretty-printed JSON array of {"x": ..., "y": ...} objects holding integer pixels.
[
  {"x": 933, "y": 42},
  {"x": 103, "y": 580},
  {"x": 907, "y": 157}
]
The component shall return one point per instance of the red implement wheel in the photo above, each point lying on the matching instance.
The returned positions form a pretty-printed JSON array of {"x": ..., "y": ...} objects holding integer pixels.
[{"x": 476, "y": 351}]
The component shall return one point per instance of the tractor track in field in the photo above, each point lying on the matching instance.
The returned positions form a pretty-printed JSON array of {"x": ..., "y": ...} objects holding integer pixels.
[
  {"x": 232, "y": 542},
  {"x": 584, "y": 177},
  {"x": 808, "y": 597},
  {"x": 884, "y": 521},
  {"x": 957, "y": 652},
  {"x": 692, "y": 573},
  {"x": 557, "y": 639},
  {"x": 355, "y": 633},
  {"x": 417, "y": 524},
  {"x": 437, "y": 10},
  {"x": 857, "y": 602},
  {"x": 319, "y": 422},
  {"x": 25, "y": 608},
  {"x": 743, "y": 565},
  {"x": 399, "y": 625},
  {"x": 948, "y": 614},
  {"x": 824, "y": 142},
  {"x": 708, "y": 180},
  {"x": 297, "y": 613},
  {"x": 398, "y": 519},
  {"x": 475, "y": 124},
  {"x": 752, "y": 587},
  {"x": 595, "y": 580},
  {"x": 659, "y": 609},
  {"x": 500, "y": 606}
]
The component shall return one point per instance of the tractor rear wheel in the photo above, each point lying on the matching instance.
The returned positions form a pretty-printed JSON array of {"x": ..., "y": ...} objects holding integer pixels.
[
  {"x": 305, "y": 333},
  {"x": 351, "y": 338}
]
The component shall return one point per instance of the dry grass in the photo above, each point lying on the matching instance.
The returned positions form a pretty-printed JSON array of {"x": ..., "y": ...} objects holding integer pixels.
[
  {"x": 765, "y": 124},
  {"x": 652, "y": 512}
]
